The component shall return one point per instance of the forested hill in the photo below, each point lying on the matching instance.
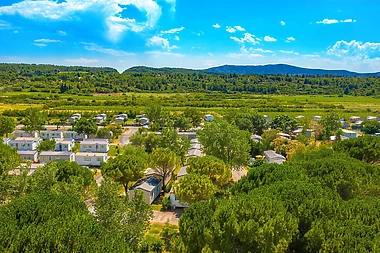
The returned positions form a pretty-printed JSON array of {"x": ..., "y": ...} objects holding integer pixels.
[
  {"x": 284, "y": 69},
  {"x": 143, "y": 69},
  {"x": 44, "y": 69}
]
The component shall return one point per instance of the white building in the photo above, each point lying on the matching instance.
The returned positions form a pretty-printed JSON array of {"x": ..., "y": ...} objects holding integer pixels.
[
  {"x": 25, "y": 143},
  {"x": 99, "y": 120},
  {"x": 28, "y": 155},
  {"x": 209, "y": 117},
  {"x": 74, "y": 135},
  {"x": 317, "y": 118},
  {"x": 371, "y": 118},
  {"x": 95, "y": 145},
  {"x": 354, "y": 118},
  {"x": 349, "y": 134},
  {"x": 273, "y": 157},
  {"x": 64, "y": 144},
  {"x": 150, "y": 187},
  {"x": 48, "y": 156},
  {"x": 119, "y": 120},
  {"x": 22, "y": 133},
  {"x": 51, "y": 134},
  {"x": 90, "y": 159},
  {"x": 144, "y": 121}
]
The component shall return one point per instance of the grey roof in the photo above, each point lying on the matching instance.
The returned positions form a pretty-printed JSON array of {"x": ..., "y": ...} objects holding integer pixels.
[
  {"x": 195, "y": 146},
  {"x": 95, "y": 141},
  {"x": 256, "y": 137},
  {"x": 147, "y": 184},
  {"x": 194, "y": 140},
  {"x": 182, "y": 172},
  {"x": 271, "y": 154},
  {"x": 51, "y": 131},
  {"x": 63, "y": 140},
  {"x": 195, "y": 152},
  {"x": 23, "y": 152},
  {"x": 56, "y": 153},
  {"x": 25, "y": 140},
  {"x": 80, "y": 154}
]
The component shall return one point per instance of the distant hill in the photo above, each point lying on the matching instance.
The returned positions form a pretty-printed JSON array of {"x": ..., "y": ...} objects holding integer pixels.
[
  {"x": 283, "y": 69},
  {"x": 40, "y": 69},
  {"x": 143, "y": 69}
]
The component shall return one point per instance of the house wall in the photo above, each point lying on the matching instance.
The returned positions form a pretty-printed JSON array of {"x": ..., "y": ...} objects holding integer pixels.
[
  {"x": 64, "y": 147},
  {"x": 96, "y": 148},
  {"x": 29, "y": 146},
  {"x": 149, "y": 196},
  {"x": 90, "y": 160},
  {"x": 350, "y": 135},
  {"x": 51, "y": 135},
  {"x": 33, "y": 158},
  {"x": 46, "y": 159},
  {"x": 25, "y": 134}
]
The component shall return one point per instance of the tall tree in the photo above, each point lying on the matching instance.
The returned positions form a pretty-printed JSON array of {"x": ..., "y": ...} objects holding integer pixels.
[
  {"x": 85, "y": 126},
  {"x": 250, "y": 121},
  {"x": 171, "y": 140},
  {"x": 129, "y": 166},
  {"x": 46, "y": 145},
  {"x": 371, "y": 126},
  {"x": 284, "y": 123},
  {"x": 226, "y": 142},
  {"x": 216, "y": 170},
  {"x": 194, "y": 115},
  {"x": 194, "y": 188},
  {"x": 9, "y": 159},
  {"x": 7, "y": 125},
  {"x": 34, "y": 119},
  {"x": 329, "y": 123},
  {"x": 163, "y": 162}
]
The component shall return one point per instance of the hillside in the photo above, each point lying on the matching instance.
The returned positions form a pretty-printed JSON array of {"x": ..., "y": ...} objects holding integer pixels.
[
  {"x": 41, "y": 69},
  {"x": 284, "y": 69}
]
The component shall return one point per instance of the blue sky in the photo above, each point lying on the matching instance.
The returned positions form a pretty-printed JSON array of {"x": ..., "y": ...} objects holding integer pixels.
[{"x": 331, "y": 34}]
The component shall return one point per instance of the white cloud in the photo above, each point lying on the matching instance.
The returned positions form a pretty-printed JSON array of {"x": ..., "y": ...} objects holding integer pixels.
[
  {"x": 289, "y": 39},
  {"x": 355, "y": 49},
  {"x": 269, "y": 39},
  {"x": 15, "y": 31},
  {"x": 100, "y": 49},
  {"x": 39, "y": 44},
  {"x": 217, "y": 26},
  {"x": 288, "y": 52},
  {"x": 246, "y": 53},
  {"x": 230, "y": 29},
  {"x": 62, "y": 33},
  {"x": 260, "y": 50},
  {"x": 239, "y": 28},
  {"x": 160, "y": 42},
  {"x": 47, "y": 41},
  {"x": 81, "y": 60},
  {"x": 172, "y": 3},
  {"x": 109, "y": 10},
  {"x": 249, "y": 38},
  {"x": 327, "y": 21},
  {"x": 174, "y": 30},
  {"x": 176, "y": 37},
  {"x": 282, "y": 23}
]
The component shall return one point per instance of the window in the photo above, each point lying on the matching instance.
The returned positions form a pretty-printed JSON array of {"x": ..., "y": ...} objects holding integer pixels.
[
  {"x": 87, "y": 159},
  {"x": 99, "y": 159}
]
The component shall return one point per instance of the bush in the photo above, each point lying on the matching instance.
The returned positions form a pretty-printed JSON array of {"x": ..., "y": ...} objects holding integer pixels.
[
  {"x": 169, "y": 187},
  {"x": 166, "y": 204},
  {"x": 151, "y": 244}
]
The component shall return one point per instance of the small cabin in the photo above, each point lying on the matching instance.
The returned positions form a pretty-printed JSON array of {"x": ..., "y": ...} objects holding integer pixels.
[
  {"x": 209, "y": 117},
  {"x": 31, "y": 155},
  {"x": 91, "y": 159},
  {"x": 64, "y": 144},
  {"x": 95, "y": 145},
  {"x": 150, "y": 186},
  {"x": 273, "y": 157},
  {"x": 22, "y": 133},
  {"x": 25, "y": 143},
  {"x": 51, "y": 134},
  {"x": 51, "y": 156}
]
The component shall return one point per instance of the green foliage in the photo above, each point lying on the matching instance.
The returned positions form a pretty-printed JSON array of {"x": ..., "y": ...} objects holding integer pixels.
[
  {"x": 194, "y": 115},
  {"x": 9, "y": 159},
  {"x": 370, "y": 126},
  {"x": 127, "y": 167},
  {"x": 171, "y": 140},
  {"x": 151, "y": 244},
  {"x": 34, "y": 119},
  {"x": 194, "y": 188},
  {"x": 163, "y": 162},
  {"x": 365, "y": 148},
  {"x": 85, "y": 126},
  {"x": 7, "y": 125},
  {"x": 166, "y": 204},
  {"x": 46, "y": 145},
  {"x": 250, "y": 121},
  {"x": 226, "y": 142},
  {"x": 103, "y": 133},
  {"x": 329, "y": 123},
  {"x": 216, "y": 170},
  {"x": 284, "y": 123}
]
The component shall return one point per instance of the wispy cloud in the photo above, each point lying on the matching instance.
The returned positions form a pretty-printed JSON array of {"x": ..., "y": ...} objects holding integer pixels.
[
  {"x": 81, "y": 60},
  {"x": 249, "y": 38},
  {"x": 288, "y": 52},
  {"x": 100, "y": 49},
  {"x": 160, "y": 42},
  {"x": 355, "y": 49},
  {"x": 239, "y": 28},
  {"x": 282, "y": 23},
  {"x": 230, "y": 29},
  {"x": 62, "y": 33},
  {"x": 176, "y": 37},
  {"x": 260, "y": 50},
  {"x": 289, "y": 39},
  {"x": 39, "y": 44},
  {"x": 47, "y": 41},
  {"x": 269, "y": 39},
  {"x": 217, "y": 26},
  {"x": 172, "y": 3},
  {"x": 174, "y": 30},
  {"x": 327, "y": 21}
]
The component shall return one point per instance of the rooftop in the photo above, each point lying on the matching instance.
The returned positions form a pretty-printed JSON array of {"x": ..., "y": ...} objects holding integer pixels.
[
  {"x": 91, "y": 154},
  {"x": 182, "y": 172},
  {"x": 22, "y": 152},
  {"x": 56, "y": 153},
  {"x": 195, "y": 152},
  {"x": 25, "y": 139},
  {"x": 272, "y": 154},
  {"x": 95, "y": 141},
  {"x": 63, "y": 140},
  {"x": 147, "y": 184}
]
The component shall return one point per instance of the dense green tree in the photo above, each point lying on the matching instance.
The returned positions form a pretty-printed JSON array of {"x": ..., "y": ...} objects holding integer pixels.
[
  {"x": 103, "y": 133},
  {"x": 181, "y": 122},
  {"x": 9, "y": 159},
  {"x": 154, "y": 113},
  {"x": 34, "y": 119},
  {"x": 171, "y": 140},
  {"x": 85, "y": 126},
  {"x": 163, "y": 162},
  {"x": 226, "y": 142},
  {"x": 148, "y": 141},
  {"x": 127, "y": 167},
  {"x": 7, "y": 125},
  {"x": 270, "y": 135},
  {"x": 250, "y": 121},
  {"x": 216, "y": 170},
  {"x": 329, "y": 123},
  {"x": 194, "y": 115},
  {"x": 370, "y": 127},
  {"x": 284, "y": 123},
  {"x": 46, "y": 145},
  {"x": 194, "y": 188}
]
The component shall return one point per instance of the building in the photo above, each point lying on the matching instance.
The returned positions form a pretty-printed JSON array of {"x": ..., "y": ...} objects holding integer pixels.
[
  {"x": 299, "y": 131},
  {"x": 91, "y": 159},
  {"x": 273, "y": 157},
  {"x": 267, "y": 118},
  {"x": 189, "y": 135},
  {"x": 22, "y": 133},
  {"x": 144, "y": 121},
  {"x": 64, "y": 144},
  {"x": 99, "y": 120},
  {"x": 345, "y": 125},
  {"x": 194, "y": 153},
  {"x": 28, "y": 155},
  {"x": 354, "y": 118},
  {"x": 6, "y": 140},
  {"x": 74, "y": 135},
  {"x": 102, "y": 115},
  {"x": 349, "y": 134},
  {"x": 182, "y": 172},
  {"x": 119, "y": 120},
  {"x": 25, "y": 143},
  {"x": 209, "y": 117},
  {"x": 371, "y": 118},
  {"x": 342, "y": 138},
  {"x": 49, "y": 156},
  {"x": 51, "y": 134},
  {"x": 195, "y": 146},
  {"x": 95, "y": 145},
  {"x": 317, "y": 118},
  {"x": 150, "y": 186}
]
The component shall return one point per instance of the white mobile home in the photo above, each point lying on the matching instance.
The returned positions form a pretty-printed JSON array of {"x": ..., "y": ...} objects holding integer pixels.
[
  {"x": 51, "y": 134},
  {"x": 28, "y": 155},
  {"x": 90, "y": 159},
  {"x": 74, "y": 135},
  {"x": 22, "y": 133},
  {"x": 64, "y": 144},
  {"x": 349, "y": 134},
  {"x": 95, "y": 145},
  {"x": 25, "y": 143},
  {"x": 50, "y": 156},
  {"x": 273, "y": 157},
  {"x": 150, "y": 186}
]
